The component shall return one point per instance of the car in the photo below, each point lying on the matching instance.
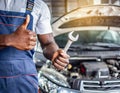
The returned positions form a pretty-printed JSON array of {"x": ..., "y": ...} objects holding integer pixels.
[{"x": 94, "y": 64}]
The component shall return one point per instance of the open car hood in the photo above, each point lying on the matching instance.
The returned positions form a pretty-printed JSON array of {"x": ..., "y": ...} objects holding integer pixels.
[{"x": 97, "y": 17}]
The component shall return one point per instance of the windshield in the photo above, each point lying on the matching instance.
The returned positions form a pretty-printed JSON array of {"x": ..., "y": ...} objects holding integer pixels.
[{"x": 87, "y": 37}]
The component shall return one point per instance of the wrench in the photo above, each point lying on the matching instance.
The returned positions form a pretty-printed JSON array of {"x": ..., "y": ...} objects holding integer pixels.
[{"x": 71, "y": 39}]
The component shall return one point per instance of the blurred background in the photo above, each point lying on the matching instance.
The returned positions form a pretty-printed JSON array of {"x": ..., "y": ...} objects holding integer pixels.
[{"x": 60, "y": 7}]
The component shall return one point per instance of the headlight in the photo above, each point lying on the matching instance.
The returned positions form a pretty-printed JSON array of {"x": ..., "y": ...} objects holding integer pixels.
[
  {"x": 50, "y": 80},
  {"x": 47, "y": 86},
  {"x": 50, "y": 87}
]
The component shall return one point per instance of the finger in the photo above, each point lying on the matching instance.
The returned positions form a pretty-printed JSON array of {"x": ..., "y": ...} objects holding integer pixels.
[
  {"x": 58, "y": 66},
  {"x": 32, "y": 43},
  {"x": 30, "y": 47},
  {"x": 31, "y": 33},
  {"x": 63, "y": 64},
  {"x": 64, "y": 60},
  {"x": 55, "y": 55},
  {"x": 32, "y": 38},
  {"x": 64, "y": 55},
  {"x": 26, "y": 22}
]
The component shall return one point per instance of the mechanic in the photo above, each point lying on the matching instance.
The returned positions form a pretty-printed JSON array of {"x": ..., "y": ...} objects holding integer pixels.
[{"x": 21, "y": 21}]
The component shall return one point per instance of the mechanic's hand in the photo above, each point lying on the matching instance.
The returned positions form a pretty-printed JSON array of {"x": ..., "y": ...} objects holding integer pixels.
[
  {"x": 60, "y": 59},
  {"x": 23, "y": 38}
]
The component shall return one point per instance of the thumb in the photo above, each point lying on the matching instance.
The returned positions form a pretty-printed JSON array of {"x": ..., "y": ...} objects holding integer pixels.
[{"x": 26, "y": 22}]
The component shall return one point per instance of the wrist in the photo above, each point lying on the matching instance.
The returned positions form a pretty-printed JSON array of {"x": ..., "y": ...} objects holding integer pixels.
[
  {"x": 8, "y": 40},
  {"x": 49, "y": 51}
]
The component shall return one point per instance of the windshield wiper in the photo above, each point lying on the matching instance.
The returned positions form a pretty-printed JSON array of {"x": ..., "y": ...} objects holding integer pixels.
[
  {"x": 76, "y": 48},
  {"x": 106, "y": 45},
  {"x": 95, "y": 47}
]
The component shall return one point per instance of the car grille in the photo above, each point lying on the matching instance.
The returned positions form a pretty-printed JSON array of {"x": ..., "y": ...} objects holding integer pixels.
[{"x": 100, "y": 85}]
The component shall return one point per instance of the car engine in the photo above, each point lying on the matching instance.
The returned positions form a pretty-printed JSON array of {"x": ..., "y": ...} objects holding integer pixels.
[
  {"x": 101, "y": 70},
  {"x": 107, "y": 68},
  {"x": 82, "y": 74}
]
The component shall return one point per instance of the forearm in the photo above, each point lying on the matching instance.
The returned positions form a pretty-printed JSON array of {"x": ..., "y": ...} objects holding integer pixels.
[
  {"x": 48, "y": 45},
  {"x": 49, "y": 50}
]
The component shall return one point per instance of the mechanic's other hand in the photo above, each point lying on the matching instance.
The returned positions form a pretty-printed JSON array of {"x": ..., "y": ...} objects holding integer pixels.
[
  {"x": 60, "y": 59},
  {"x": 23, "y": 38}
]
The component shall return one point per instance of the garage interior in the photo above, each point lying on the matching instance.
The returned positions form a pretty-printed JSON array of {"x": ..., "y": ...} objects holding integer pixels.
[
  {"x": 60, "y": 7},
  {"x": 92, "y": 66}
]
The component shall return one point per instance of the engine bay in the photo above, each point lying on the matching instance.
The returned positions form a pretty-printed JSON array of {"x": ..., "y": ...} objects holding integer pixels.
[
  {"x": 85, "y": 73},
  {"x": 92, "y": 70}
]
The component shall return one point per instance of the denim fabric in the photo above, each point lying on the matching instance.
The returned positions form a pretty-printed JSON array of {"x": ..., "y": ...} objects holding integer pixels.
[
  {"x": 19, "y": 84},
  {"x": 17, "y": 69}
]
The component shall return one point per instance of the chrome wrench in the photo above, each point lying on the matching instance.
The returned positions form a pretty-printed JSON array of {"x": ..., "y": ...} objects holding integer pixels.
[{"x": 71, "y": 39}]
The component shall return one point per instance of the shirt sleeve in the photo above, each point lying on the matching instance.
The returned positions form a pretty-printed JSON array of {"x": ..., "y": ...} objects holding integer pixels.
[{"x": 43, "y": 25}]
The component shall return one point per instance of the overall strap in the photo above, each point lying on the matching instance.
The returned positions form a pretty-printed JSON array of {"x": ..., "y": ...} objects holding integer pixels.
[{"x": 29, "y": 6}]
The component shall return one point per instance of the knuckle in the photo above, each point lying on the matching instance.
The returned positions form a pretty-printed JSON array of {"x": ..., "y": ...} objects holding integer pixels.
[
  {"x": 29, "y": 32},
  {"x": 58, "y": 66},
  {"x": 35, "y": 39},
  {"x": 58, "y": 58},
  {"x": 30, "y": 37},
  {"x": 29, "y": 43},
  {"x": 27, "y": 48},
  {"x": 34, "y": 44}
]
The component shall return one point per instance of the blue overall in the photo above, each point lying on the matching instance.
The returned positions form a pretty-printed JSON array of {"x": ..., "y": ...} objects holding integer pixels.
[{"x": 17, "y": 69}]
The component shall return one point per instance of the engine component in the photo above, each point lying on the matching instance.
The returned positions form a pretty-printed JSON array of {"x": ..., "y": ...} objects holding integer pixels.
[
  {"x": 94, "y": 69},
  {"x": 95, "y": 86},
  {"x": 54, "y": 76}
]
